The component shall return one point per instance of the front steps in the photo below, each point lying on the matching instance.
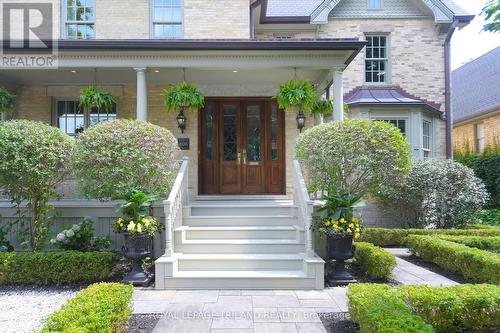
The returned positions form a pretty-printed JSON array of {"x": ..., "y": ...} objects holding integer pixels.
[{"x": 239, "y": 244}]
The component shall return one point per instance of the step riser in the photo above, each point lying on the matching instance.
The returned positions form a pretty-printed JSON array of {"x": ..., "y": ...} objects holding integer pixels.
[
  {"x": 238, "y": 248},
  {"x": 239, "y": 211},
  {"x": 240, "y": 283},
  {"x": 238, "y": 221},
  {"x": 240, "y": 234},
  {"x": 238, "y": 265}
]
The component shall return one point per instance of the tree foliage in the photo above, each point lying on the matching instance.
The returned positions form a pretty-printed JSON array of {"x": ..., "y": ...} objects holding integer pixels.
[
  {"x": 353, "y": 156},
  {"x": 491, "y": 13},
  {"x": 115, "y": 158},
  {"x": 33, "y": 160}
]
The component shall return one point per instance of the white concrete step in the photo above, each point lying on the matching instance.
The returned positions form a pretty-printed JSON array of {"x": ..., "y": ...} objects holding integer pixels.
[
  {"x": 239, "y": 246},
  {"x": 240, "y": 262},
  {"x": 240, "y": 208},
  {"x": 220, "y": 221},
  {"x": 240, "y": 232},
  {"x": 240, "y": 280}
]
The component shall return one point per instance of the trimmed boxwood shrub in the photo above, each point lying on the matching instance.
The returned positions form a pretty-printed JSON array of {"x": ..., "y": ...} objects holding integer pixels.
[
  {"x": 464, "y": 308},
  {"x": 474, "y": 264},
  {"x": 484, "y": 226},
  {"x": 374, "y": 261},
  {"x": 69, "y": 267},
  {"x": 397, "y": 237},
  {"x": 378, "y": 308},
  {"x": 102, "y": 307},
  {"x": 483, "y": 243}
]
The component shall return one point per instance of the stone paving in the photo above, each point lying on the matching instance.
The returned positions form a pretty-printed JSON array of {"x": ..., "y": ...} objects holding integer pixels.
[
  {"x": 409, "y": 273},
  {"x": 228, "y": 311}
]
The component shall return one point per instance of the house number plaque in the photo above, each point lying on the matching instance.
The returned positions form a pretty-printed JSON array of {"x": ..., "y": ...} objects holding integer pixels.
[{"x": 183, "y": 143}]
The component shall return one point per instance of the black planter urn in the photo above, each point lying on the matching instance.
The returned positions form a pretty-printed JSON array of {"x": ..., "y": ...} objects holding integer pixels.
[
  {"x": 136, "y": 248},
  {"x": 340, "y": 248}
]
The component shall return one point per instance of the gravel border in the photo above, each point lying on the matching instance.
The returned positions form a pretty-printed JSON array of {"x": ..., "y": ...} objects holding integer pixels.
[
  {"x": 24, "y": 308},
  {"x": 143, "y": 323}
]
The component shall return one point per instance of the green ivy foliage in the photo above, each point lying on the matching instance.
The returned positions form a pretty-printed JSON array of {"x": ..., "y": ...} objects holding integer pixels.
[
  {"x": 115, "y": 158},
  {"x": 296, "y": 94},
  {"x": 322, "y": 106},
  {"x": 43, "y": 268},
  {"x": 91, "y": 97},
  {"x": 353, "y": 156},
  {"x": 374, "y": 261},
  {"x": 6, "y": 100},
  {"x": 33, "y": 160},
  {"x": 474, "y": 264},
  {"x": 101, "y": 307},
  {"x": 183, "y": 96}
]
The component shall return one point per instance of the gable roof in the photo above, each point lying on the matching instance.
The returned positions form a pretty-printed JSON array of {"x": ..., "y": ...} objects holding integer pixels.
[
  {"x": 300, "y": 8},
  {"x": 476, "y": 86}
]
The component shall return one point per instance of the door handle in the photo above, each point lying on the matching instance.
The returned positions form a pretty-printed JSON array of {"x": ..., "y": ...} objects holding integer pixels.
[
  {"x": 238, "y": 158},
  {"x": 244, "y": 156}
]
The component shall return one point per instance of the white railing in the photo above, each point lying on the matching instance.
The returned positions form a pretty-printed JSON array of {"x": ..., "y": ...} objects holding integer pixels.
[
  {"x": 304, "y": 205},
  {"x": 177, "y": 199}
]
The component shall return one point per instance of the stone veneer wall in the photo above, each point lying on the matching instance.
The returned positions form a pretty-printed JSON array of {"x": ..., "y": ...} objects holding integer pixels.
[{"x": 465, "y": 134}]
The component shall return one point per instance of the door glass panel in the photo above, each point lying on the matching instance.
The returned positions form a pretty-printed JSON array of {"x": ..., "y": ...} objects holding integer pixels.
[
  {"x": 274, "y": 132},
  {"x": 229, "y": 133},
  {"x": 209, "y": 128},
  {"x": 253, "y": 133}
]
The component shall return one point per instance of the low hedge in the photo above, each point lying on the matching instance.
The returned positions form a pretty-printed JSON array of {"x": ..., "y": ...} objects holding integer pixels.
[
  {"x": 378, "y": 308},
  {"x": 474, "y": 264},
  {"x": 420, "y": 308},
  {"x": 102, "y": 307},
  {"x": 68, "y": 267},
  {"x": 373, "y": 260},
  {"x": 483, "y": 243},
  {"x": 397, "y": 237},
  {"x": 481, "y": 226},
  {"x": 464, "y": 308}
]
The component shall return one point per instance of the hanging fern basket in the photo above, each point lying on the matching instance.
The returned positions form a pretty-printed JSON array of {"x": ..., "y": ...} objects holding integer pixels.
[
  {"x": 296, "y": 94},
  {"x": 183, "y": 96},
  {"x": 93, "y": 98},
  {"x": 322, "y": 107},
  {"x": 6, "y": 100}
]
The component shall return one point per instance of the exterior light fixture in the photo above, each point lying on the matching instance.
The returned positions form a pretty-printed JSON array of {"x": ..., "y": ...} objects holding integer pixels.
[
  {"x": 301, "y": 121},
  {"x": 181, "y": 121},
  {"x": 157, "y": 71},
  {"x": 73, "y": 71},
  {"x": 235, "y": 71}
]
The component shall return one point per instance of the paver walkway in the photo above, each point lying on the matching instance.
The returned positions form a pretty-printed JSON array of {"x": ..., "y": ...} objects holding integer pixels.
[
  {"x": 242, "y": 311},
  {"x": 409, "y": 273}
]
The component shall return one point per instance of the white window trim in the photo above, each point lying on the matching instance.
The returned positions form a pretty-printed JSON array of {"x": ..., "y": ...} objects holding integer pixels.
[
  {"x": 374, "y": 9},
  {"x": 388, "y": 57},
  {"x": 152, "y": 22},
  {"x": 65, "y": 22},
  {"x": 477, "y": 146},
  {"x": 431, "y": 138}
]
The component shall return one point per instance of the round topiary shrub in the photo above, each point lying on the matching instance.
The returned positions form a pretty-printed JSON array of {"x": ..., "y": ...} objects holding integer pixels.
[
  {"x": 438, "y": 194},
  {"x": 114, "y": 158},
  {"x": 354, "y": 156},
  {"x": 33, "y": 160}
]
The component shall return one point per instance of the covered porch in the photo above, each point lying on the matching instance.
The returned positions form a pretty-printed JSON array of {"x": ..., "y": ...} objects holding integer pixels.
[{"x": 137, "y": 72}]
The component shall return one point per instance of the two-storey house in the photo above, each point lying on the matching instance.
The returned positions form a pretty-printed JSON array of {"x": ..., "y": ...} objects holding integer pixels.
[{"x": 387, "y": 59}]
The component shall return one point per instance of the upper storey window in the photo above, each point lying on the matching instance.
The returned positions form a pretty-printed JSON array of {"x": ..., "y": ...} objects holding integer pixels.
[
  {"x": 79, "y": 19},
  {"x": 167, "y": 18},
  {"x": 374, "y": 4},
  {"x": 376, "y": 59}
]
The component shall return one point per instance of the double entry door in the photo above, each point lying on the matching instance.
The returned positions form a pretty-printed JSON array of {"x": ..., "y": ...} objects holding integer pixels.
[{"x": 241, "y": 147}]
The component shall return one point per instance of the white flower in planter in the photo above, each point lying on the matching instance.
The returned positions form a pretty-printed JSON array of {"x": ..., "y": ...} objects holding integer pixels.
[
  {"x": 70, "y": 233},
  {"x": 61, "y": 237},
  {"x": 76, "y": 227}
]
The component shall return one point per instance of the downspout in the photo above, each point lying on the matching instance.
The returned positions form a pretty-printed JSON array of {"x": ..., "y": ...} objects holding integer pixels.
[
  {"x": 447, "y": 89},
  {"x": 253, "y": 5}
]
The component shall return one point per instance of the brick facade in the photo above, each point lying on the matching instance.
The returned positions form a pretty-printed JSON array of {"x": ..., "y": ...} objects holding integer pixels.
[{"x": 464, "y": 135}]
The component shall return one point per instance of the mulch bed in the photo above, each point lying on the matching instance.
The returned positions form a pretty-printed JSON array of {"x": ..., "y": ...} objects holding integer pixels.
[
  {"x": 338, "y": 323},
  {"x": 435, "y": 268},
  {"x": 143, "y": 323}
]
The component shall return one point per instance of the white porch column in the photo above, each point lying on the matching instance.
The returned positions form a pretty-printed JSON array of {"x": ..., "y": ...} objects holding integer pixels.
[
  {"x": 338, "y": 96},
  {"x": 142, "y": 94}
]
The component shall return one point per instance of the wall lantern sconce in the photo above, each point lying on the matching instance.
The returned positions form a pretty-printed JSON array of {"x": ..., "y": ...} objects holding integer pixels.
[
  {"x": 301, "y": 121},
  {"x": 181, "y": 121}
]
